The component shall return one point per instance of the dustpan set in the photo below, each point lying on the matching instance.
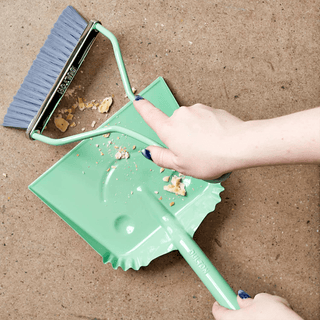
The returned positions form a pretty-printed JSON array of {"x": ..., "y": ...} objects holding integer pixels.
[{"x": 119, "y": 206}]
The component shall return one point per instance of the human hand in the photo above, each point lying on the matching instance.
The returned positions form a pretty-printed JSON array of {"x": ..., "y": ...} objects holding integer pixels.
[
  {"x": 198, "y": 139},
  {"x": 264, "y": 306},
  {"x": 205, "y": 143}
]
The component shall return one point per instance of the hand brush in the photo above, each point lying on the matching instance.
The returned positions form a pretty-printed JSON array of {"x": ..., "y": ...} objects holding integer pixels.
[{"x": 52, "y": 72}]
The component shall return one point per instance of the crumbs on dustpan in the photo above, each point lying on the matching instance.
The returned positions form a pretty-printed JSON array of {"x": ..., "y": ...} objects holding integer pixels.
[{"x": 176, "y": 186}]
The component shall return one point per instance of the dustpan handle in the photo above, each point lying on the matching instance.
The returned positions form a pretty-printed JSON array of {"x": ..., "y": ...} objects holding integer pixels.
[
  {"x": 120, "y": 63},
  {"x": 94, "y": 133},
  {"x": 195, "y": 257}
]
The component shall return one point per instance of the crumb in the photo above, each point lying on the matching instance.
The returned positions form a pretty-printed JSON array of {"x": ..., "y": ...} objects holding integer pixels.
[
  {"x": 133, "y": 147},
  {"x": 81, "y": 104},
  {"x": 161, "y": 170},
  {"x": 77, "y": 154},
  {"x": 166, "y": 179},
  {"x": 105, "y": 105},
  {"x": 97, "y": 145},
  {"x": 83, "y": 129},
  {"x": 118, "y": 138},
  {"x": 131, "y": 192},
  {"x": 113, "y": 167},
  {"x": 93, "y": 124},
  {"x": 73, "y": 124},
  {"x": 102, "y": 153},
  {"x": 69, "y": 116},
  {"x": 122, "y": 154},
  {"x": 156, "y": 192},
  {"x": 160, "y": 198},
  {"x": 171, "y": 203},
  {"x": 5, "y": 175},
  {"x": 176, "y": 186},
  {"x": 61, "y": 124},
  {"x": 134, "y": 90},
  {"x": 108, "y": 169},
  {"x": 107, "y": 135}
]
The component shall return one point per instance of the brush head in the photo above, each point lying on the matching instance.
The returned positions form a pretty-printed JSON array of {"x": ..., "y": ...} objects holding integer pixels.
[{"x": 45, "y": 69}]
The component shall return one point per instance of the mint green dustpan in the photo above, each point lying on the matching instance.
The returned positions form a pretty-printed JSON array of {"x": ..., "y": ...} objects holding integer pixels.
[{"x": 114, "y": 204}]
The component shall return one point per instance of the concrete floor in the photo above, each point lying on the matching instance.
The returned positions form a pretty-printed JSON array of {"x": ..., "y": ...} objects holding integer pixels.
[{"x": 255, "y": 59}]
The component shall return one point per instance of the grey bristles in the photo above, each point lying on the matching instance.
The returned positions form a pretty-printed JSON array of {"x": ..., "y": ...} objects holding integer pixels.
[{"x": 45, "y": 69}]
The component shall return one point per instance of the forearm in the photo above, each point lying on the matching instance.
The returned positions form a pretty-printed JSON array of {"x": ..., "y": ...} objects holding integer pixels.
[{"x": 290, "y": 139}]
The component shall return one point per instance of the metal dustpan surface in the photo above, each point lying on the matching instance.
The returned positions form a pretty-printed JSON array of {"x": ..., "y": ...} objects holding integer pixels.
[{"x": 114, "y": 204}]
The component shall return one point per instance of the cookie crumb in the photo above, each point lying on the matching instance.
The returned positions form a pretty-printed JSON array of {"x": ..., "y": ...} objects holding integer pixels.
[
  {"x": 166, "y": 179},
  {"x": 133, "y": 147},
  {"x": 156, "y": 192},
  {"x": 105, "y": 105},
  {"x": 107, "y": 135},
  {"x": 176, "y": 186},
  {"x": 61, "y": 124},
  {"x": 171, "y": 203},
  {"x": 93, "y": 124},
  {"x": 161, "y": 170},
  {"x": 160, "y": 198}
]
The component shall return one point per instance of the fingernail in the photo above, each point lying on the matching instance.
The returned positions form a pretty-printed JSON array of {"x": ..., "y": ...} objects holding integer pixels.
[
  {"x": 147, "y": 154},
  {"x": 137, "y": 98},
  {"x": 243, "y": 295}
]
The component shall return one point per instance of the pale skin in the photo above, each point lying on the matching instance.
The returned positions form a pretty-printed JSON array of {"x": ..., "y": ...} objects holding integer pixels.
[{"x": 206, "y": 143}]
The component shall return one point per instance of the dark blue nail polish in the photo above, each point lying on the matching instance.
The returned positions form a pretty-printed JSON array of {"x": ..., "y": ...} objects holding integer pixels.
[
  {"x": 137, "y": 98},
  {"x": 243, "y": 295},
  {"x": 147, "y": 154}
]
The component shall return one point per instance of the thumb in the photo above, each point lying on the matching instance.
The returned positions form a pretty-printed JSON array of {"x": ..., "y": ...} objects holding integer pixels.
[
  {"x": 160, "y": 156},
  {"x": 221, "y": 313}
]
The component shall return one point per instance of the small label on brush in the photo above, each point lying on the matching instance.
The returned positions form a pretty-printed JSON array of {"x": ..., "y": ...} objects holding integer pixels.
[{"x": 67, "y": 80}]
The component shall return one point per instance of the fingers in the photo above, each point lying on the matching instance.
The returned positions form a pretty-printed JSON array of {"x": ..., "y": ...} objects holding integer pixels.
[
  {"x": 243, "y": 303},
  {"x": 222, "y": 313},
  {"x": 162, "y": 157},
  {"x": 153, "y": 116}
]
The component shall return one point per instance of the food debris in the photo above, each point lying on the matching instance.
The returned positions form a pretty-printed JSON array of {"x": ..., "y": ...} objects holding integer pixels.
[
  {"x": 166, "y": 179},
  {"x": 5, "y": 175},
  {"x": 131, "y": 192},
  {"x": 77, "y": 154},
  {"x": 122, "y": 154},
  {"x": 83, "y": 129},
  {"x": 93, "y": 124},
  {"x": 105, "y": 105},
  {"x": 156, "y": 192},
  {"x": 108, "y": 169},
  {"x": 133, "y": 147},
  {"x": 176, "y": 186},
  {"x": 61, "y": 124},
  {"x": 161, "y": 170},
  {"x": 171, "y": 203},
  {"x": 113, "y": 167},
  {"x": 97, "y": 145},
  {"x": 73, "y": 124},
  {"x": 107, "y": 135},
  {"x": 82, "y": 106},
  {"x": 69, "y": 116},
  {"x": 160, "y": 198},
  {"x": 102, "y": 153},
  {"x": 134, "y": 90}
]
